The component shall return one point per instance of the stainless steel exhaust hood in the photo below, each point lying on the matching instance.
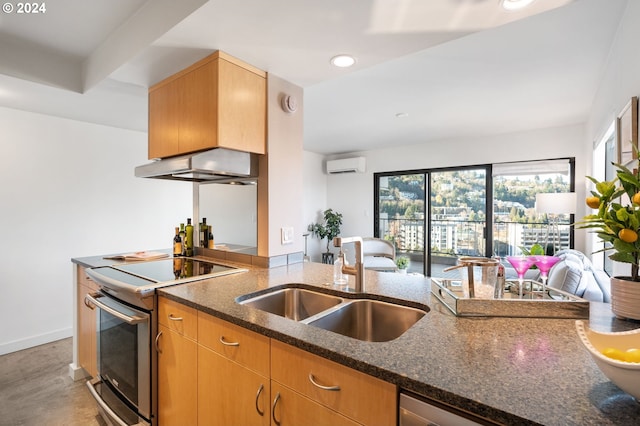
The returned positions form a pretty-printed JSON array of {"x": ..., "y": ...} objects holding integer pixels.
[{"x": 218, "y": 165}]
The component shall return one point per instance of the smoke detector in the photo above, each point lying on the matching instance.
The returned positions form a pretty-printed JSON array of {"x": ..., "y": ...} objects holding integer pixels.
[{"x": 289, "y": 104}]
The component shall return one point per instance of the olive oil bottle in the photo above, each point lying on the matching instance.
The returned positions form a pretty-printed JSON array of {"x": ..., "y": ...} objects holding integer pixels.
[
  {"x": 189, "y": 231},
  {"x": 183, "y": 237}
]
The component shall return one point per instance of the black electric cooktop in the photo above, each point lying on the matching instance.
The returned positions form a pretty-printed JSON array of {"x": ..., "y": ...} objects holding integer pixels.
[
  {"x": 145, "y": 276},
  {"x": 176, "y": 268}
]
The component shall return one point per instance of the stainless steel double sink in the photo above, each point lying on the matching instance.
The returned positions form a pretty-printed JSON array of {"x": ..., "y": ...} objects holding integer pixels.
[{"x": 363, "y": 319}]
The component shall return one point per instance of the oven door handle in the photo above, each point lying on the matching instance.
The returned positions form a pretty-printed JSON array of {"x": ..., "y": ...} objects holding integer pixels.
[{"x": 126, "y": 318}]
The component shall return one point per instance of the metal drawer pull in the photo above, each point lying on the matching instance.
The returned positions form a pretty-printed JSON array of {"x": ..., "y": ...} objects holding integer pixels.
[
  {"x": 158, "y": 342},
  {"x": 172, "y": 318},
  {"x": 228, "y": 343},
  {"x": 316, "y": 384},
  {"x": 273, "y": 409},
  {"x": 260, "y": 389}
]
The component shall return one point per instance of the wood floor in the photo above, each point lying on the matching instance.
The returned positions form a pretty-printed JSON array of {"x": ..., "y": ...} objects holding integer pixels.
[{"x": 35, "y": 389}]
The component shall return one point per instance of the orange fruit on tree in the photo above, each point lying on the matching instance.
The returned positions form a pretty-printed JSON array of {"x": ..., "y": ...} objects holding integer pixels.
[
  {"x": 628, "y": 235},
  {"x": 594, "y": 202},
  {"x": 636, "y": 198}
]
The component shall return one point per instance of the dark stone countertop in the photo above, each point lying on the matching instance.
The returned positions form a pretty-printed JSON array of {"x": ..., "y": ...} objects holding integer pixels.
[{"x": 510, "y": 370}]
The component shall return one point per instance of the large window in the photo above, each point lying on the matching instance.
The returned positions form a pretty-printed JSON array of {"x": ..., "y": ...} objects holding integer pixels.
[
  {"x": 604, "y": 155},
  {"x": 471, "y": 211},
  {"x": 517, "y": 221},
  {"x": 400, "y": 215}
]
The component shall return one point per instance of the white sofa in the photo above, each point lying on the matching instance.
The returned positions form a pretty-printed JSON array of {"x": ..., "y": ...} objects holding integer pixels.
[{"x": 576, "y": 274}]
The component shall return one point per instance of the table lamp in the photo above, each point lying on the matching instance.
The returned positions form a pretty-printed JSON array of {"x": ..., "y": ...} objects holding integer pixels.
[{"x": 555, "y": 204}]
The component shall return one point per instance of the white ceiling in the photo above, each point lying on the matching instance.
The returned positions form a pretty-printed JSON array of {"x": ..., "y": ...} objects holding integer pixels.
[{"x": 455, "y": 68}]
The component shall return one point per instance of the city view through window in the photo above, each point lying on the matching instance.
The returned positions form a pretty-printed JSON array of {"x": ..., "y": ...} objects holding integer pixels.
[{"x": 457, "y": 221}]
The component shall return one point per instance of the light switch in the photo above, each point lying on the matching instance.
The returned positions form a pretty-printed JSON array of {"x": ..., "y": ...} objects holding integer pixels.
[{"x": 287, "y": 235}]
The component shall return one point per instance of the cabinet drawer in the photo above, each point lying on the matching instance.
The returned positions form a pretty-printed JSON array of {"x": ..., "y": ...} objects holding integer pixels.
[
  {"x": 365, "y": 399},
  {"x": 178, "y": 317},
  {"x": 238, "y": 344},
  {"x": 83, "y": 279}
]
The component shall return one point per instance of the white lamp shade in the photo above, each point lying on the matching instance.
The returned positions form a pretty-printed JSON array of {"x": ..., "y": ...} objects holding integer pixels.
[{"x": 556, "y": 203}]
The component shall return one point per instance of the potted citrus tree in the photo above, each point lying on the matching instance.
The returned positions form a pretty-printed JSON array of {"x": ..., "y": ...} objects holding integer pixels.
[
  {"x": 617, "y": 221},
  {"x": 328, "y": 228}
]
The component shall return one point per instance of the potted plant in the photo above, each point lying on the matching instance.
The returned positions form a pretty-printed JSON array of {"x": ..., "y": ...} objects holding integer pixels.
[
  {"x": 328, "y": 228},
  {"x": 617, "y": 221},
  {"x": 402, "y": 263},
  {"x": 535, "y": 250}
]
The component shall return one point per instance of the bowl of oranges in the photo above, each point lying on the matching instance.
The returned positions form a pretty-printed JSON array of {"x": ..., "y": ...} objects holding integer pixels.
[{"x": 617, "y": 355}]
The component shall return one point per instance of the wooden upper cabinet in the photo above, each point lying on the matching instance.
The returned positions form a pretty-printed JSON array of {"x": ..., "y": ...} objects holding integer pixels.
[
  {"x": 218, "y": 102},
  {"x": 163, "y": 120}
]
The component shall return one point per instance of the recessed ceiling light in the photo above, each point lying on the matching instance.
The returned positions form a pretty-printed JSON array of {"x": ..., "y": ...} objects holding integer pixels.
[
  {"x": 515, "y": 4},
  {"x": 343, "y": 61}
]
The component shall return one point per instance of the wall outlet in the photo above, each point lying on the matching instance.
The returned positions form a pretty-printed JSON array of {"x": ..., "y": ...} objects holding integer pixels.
[{"x": 286, "y": 235}]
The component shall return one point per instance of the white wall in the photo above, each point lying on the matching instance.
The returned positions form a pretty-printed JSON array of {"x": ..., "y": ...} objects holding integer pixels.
[
  {"x": 620, "y": 81},
  {"x": 352, "y": 194},
  {"x": 280, "y": 188},
  {"x": 314, "y": 200},
  {"x": 68, "y": 190},
  {"x": 231, "y": 210}
]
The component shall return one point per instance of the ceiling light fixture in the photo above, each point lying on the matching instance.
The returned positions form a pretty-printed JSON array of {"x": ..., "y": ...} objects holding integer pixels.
[
  {"x": 515, "y": 4},
  {"x": 343, "y": 61}
]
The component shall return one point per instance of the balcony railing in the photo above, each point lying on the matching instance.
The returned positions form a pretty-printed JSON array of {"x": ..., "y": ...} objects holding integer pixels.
[{"x": 467, "y": 238}]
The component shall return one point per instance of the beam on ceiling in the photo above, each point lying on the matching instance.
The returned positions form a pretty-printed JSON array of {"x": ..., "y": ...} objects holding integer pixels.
[{"x": 151, "y": 21}]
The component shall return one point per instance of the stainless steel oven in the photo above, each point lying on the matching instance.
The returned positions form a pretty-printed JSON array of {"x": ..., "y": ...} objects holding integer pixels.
[
  {"x": 126, "y": 386},
  {"x": 123, "y": 388}
]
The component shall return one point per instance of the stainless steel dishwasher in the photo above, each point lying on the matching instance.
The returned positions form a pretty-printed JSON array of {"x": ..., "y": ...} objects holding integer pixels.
[{"x": 418, "y": 412}]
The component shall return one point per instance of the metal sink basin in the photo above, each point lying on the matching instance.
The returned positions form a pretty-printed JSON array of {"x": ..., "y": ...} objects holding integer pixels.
[
  {"x": 293, "y": 303},
  {"x": 362, "y": 319},
  {"x": 369, "y": 320}
]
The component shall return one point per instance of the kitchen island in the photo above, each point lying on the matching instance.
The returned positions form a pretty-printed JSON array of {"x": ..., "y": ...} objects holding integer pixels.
[{"x": 509, "y": 370}]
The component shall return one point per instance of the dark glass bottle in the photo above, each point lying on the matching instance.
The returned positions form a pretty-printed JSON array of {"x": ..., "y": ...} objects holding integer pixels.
[
  {"x": 211, "y": 242},
  {"x": 204, "y": 228},
  {"x": 177, "y": 243}
]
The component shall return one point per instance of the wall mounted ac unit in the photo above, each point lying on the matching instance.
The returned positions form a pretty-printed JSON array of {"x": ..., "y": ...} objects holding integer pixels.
[{"x": 346, "y": 165}]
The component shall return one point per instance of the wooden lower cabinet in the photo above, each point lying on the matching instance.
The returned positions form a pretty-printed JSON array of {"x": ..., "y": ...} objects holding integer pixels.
[
  {"x": 177, "y": 378},
  {"x": 363, "y": 398},
  {"x": 230, "y": 375},
  {"x": 177, "y": 363},
  {"x": 244, "y": 347},
  {"x": 230, "y": 394},
  {"x": 87, "y": 346},
  {"x": 289, "y": 408}
]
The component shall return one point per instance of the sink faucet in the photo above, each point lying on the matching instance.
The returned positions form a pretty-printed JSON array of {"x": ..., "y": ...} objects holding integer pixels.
[{"x": 356, "y": 270}]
